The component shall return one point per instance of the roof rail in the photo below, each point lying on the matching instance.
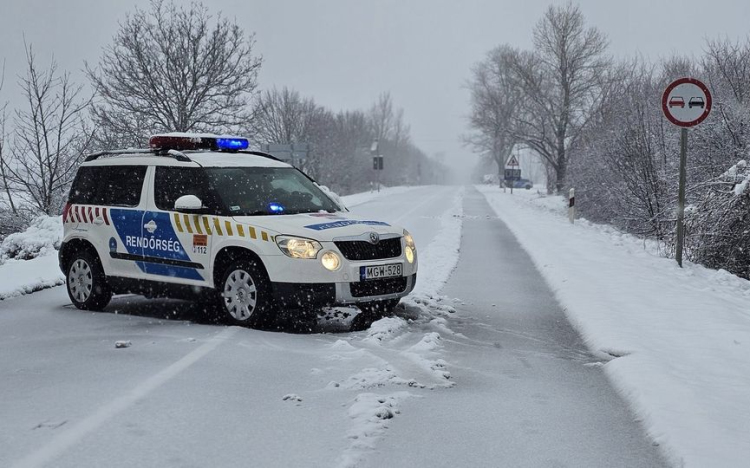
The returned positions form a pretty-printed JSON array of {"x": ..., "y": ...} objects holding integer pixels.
[
  {"x": 156, "y": 152},
  {"x": 261, "y": 153},
  {"x": 178, "y": 155}
]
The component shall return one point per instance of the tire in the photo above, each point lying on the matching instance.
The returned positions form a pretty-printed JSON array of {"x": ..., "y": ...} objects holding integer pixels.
[
  {"x": 86, "y": 282},
  {"x": 244, "y": 294}
]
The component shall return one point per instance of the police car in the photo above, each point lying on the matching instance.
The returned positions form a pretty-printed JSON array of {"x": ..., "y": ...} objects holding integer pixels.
[{"x": 201, "y": 216}]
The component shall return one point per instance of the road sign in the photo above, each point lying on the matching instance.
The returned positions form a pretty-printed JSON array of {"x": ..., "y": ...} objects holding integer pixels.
[
  {"x": 686, "y": 102},
  {"x": 512, "y": 162},
  {"x": 512, "y": 174}
]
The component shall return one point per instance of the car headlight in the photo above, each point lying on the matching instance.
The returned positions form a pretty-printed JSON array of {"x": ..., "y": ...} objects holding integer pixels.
[
  {"x": 298, "y": 247},
  {"x": 331, "y": 261},
  {"x": 411, "y": 248}
]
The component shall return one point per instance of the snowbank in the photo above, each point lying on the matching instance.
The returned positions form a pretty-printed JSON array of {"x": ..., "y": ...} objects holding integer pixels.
[
  {"x": 364, "y": 197},
  {"x": 678, "y": 339},
  {"x": 42, "y": 237},
  {"x": 19, "y": 277}
]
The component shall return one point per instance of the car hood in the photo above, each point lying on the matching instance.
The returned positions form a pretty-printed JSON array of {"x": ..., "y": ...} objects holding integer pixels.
[{"x": 320, "y": 226}]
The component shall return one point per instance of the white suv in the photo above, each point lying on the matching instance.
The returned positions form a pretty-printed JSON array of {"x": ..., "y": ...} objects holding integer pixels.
[{"x": 200, "y": 216}]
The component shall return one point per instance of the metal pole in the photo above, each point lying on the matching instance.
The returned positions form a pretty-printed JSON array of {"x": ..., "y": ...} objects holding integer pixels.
[
  {"x": 378, "y": 171},
  {"x": 681, "y": 200}
]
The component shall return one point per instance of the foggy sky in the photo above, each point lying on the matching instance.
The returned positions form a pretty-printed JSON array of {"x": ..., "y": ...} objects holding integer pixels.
[{"x": 344, "y": 53}]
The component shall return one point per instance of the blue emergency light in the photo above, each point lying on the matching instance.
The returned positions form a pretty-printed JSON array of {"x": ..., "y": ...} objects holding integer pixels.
[
  {"x": 232, "y": 144},
  {"x": 275, "y": 208}
]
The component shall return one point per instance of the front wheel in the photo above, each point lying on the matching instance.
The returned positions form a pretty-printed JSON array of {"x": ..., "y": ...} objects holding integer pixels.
[
  {"x": 245, "y": 294},
  {"x": 86, "y": 283}
]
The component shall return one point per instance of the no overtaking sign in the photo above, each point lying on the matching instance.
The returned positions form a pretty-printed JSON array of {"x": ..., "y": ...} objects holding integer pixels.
[{"x": 686, "y": 102}]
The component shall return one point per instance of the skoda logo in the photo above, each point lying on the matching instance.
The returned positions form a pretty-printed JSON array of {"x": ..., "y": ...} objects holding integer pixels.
[{"x": 374, "y": 238}]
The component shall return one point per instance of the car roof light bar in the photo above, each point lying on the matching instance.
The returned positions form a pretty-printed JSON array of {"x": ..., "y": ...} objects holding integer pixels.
[{"x": 187, "y": 141}]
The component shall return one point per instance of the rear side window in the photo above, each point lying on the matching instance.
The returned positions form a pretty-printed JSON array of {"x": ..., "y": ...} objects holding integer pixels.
[
  {"x": 171, "y": 183},
  {"x": 108, "y": 185}
]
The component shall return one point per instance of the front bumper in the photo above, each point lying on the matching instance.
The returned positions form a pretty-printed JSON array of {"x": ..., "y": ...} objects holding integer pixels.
[{"x": 295, "y": 295}]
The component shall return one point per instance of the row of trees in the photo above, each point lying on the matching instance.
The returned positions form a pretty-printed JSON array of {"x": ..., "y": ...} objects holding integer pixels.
[
  {"x": 598, "y": 126},
  {"x": 178, "y": 68}
]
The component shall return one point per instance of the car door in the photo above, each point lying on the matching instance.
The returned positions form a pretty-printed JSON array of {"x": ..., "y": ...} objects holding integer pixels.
[{"x": 177, "y": 245}]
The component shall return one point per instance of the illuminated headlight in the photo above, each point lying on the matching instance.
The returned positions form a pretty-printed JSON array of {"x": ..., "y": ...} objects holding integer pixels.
[
  {"x": 410, "y": 248},
  {"x": 331, "y": 261},
  {"x": 298, "y": 247}
]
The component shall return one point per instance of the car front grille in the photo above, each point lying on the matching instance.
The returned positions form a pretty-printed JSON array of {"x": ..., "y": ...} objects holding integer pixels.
[
  {"x": 378, "y": 287},
  {"x": 363, "y": 250}
]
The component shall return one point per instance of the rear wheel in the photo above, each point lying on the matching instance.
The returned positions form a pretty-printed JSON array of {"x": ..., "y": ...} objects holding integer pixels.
[
  {"x": 245, "y": 294},
  {"x": 86, "y": 283}
]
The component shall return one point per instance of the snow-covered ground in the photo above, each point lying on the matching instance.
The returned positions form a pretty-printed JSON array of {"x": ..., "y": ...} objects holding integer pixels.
[
  {"x": 359, "y": 198},
  {"x": 28, "y": 260},
  {"x": 677, "y": 340}
]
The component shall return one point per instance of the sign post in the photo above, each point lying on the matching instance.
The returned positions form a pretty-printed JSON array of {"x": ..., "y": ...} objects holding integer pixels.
[
  {"x": 512, "y": 172},
  {"x": 686, "y": 103},
  {"x": 377, "y": 161}
]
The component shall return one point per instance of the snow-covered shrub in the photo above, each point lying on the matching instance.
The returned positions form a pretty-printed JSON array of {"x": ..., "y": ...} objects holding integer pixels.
[
  {"x": 718, "y": 228},
  {"x": 43, "y": 236},
  {"x": 12, "y": 222}
]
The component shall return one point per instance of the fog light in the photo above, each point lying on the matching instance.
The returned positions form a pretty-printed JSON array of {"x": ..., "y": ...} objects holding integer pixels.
[
  {"x": 331, "y": 261},
  {"x": 409, "y": 254}
]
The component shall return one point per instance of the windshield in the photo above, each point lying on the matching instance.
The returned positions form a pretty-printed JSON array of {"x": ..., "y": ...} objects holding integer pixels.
[{"x": 252, "y": 191}]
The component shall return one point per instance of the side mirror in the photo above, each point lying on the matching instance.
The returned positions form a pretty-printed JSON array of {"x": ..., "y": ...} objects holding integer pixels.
[{"x": 189, "y": 204}]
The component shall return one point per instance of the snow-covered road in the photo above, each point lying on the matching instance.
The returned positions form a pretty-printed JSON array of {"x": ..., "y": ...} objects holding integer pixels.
[{"x": 495, "y": 377}]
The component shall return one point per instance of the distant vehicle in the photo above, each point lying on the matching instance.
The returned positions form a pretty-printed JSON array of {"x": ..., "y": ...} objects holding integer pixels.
[
  {"x": 696, "y": 102},
  {"x": 677, "y": 101},
  {"x": 523, "y": 183}
]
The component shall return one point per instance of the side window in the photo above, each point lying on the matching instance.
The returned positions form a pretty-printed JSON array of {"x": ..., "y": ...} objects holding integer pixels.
[
  {"x": 85, "y": 186},
  {"x": 121, "y": 185},
  {"x": 173, "y": 182},
  {"x": 108, "y": 185}
]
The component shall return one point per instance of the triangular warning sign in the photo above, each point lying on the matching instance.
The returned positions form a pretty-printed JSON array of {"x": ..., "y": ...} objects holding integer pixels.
[{"x": 512, "y": 162}]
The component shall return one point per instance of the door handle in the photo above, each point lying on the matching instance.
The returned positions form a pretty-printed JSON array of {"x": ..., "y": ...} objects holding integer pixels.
[
  {"x": 150, "y": 226},
  {"x": 99, "y": 221}
]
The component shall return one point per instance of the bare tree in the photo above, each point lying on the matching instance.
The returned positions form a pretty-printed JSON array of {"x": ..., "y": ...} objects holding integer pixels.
[
  {"x": 282, "y": 116},
  {"x": 50, "y": 134},
  {"x": 388, "y": 123},
  {"x": 174, "y": 68},
  {"x": 4, "y": 179},
  {"x": 496, "y": 98},
  {"x": 565, "y": 81}
]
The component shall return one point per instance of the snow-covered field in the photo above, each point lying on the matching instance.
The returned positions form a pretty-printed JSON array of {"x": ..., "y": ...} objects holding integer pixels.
[{"x": 677, "y": 340}]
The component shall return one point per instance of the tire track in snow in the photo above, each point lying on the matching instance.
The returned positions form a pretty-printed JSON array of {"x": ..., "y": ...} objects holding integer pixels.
[{"x": 414, "y": 352}]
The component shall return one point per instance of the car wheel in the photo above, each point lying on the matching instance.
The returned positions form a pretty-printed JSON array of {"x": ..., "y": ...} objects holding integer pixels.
[
  {"x": 86, "y": 282},
  {"x": 245, "y": 294}
]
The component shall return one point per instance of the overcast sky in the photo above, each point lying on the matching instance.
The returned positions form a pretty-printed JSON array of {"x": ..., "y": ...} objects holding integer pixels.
[{"x": 345, "y": 52}]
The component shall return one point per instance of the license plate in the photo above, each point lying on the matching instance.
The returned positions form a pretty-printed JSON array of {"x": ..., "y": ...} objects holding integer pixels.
[{"x": 380, "y": 271}]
